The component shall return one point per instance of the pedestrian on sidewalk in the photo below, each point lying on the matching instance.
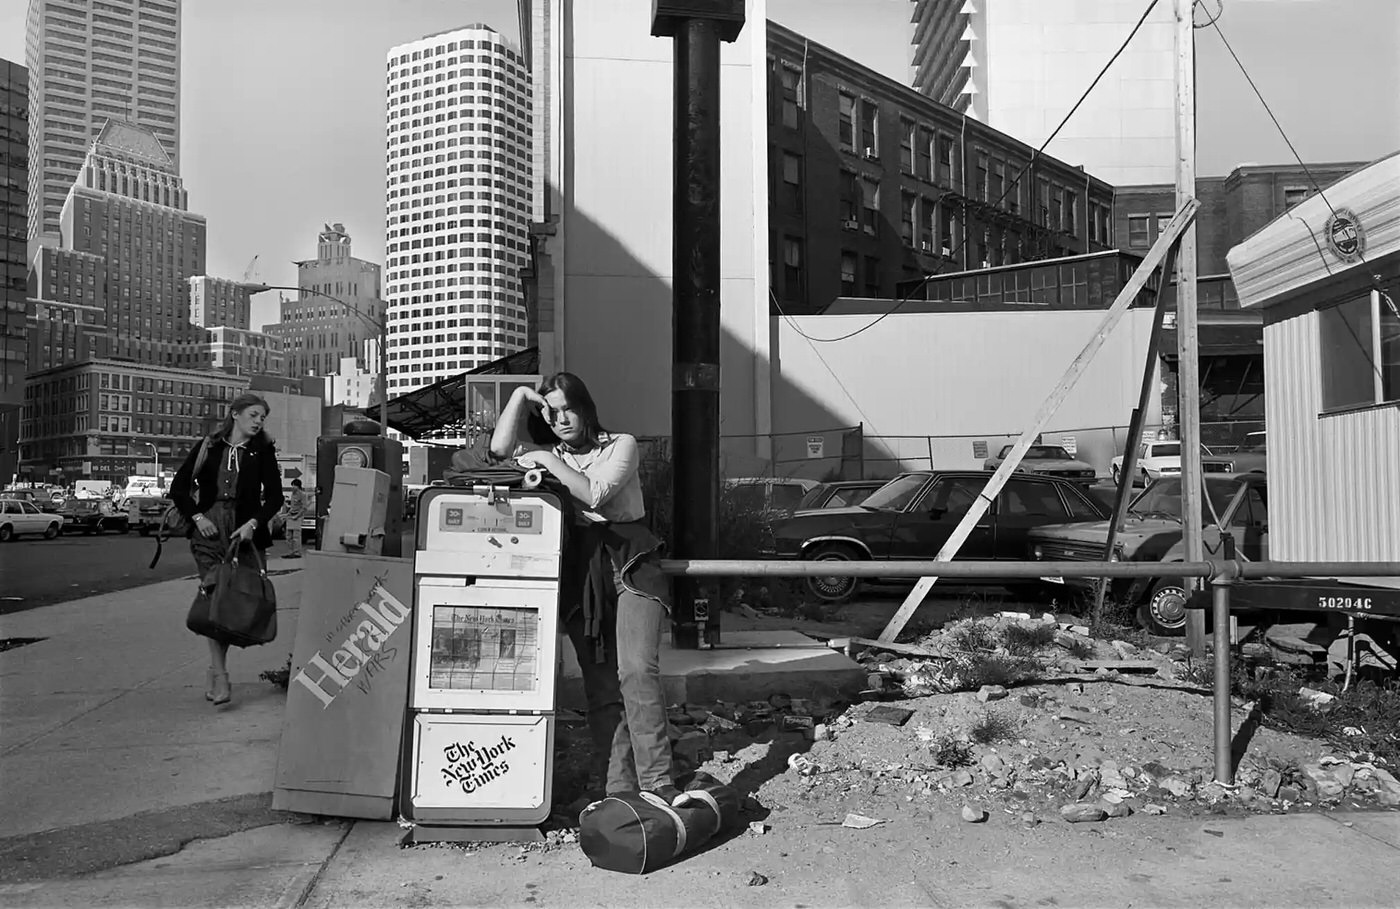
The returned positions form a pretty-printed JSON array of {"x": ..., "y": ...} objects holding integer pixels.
[
  {"x": 230, "y": 487},
  {"x": 296, "y": 510},
  {"x": 613, "y": 597}
]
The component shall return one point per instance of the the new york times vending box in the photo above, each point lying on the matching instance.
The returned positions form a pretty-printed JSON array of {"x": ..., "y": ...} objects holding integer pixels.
[{"x": 480, "y": 736}]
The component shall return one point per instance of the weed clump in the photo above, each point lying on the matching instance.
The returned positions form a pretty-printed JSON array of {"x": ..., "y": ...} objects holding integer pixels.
[
  {"x": 951, "y": 752},
  {"x": 973, "y": 636},
  {"x": 1025, "y": 640},
  {"x": 993, "y": 727}
]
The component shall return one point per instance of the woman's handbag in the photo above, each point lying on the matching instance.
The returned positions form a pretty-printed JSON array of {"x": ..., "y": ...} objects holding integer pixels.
[{"x": 242, "y": 607}]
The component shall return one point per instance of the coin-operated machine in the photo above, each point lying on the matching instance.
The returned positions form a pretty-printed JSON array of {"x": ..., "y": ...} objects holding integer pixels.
[
  {"x": 360, "y": 445},
  {"x": 479, "y": 741}
]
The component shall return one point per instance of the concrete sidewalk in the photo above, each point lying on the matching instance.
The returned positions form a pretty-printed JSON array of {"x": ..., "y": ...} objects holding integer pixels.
[{"x": 122, "y": 786}]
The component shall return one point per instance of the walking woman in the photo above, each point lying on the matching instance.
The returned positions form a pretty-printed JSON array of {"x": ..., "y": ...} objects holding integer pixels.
[
  {"x": 614, "y": 598},
  {"x": 230, "y": 488}
]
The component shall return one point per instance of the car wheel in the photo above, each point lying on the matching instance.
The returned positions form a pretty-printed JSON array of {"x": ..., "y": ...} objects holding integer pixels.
[
  {"x": 7, "y": 533},
  {"x": 833, "y": 589},
  {"x": 1146, "y": 480},
  {"x": 51, "y": 531},
  {"x": 1164, "y": 613},
  {"x": 1116, "y": 474}
]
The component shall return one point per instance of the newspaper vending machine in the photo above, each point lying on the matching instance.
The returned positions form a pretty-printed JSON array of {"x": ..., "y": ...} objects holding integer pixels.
[{"x": 480, "y": 723}]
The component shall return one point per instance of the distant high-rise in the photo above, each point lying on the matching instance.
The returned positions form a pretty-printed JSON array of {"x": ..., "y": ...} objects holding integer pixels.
[
  {"x": 317, "y": 332},
  {"x": 90, "y": 62},
  {"x": 130, "y": 208},
  {"x": 1019, "y": 66},
  {"x": 458, "y": 204},
  {"x": 14, "y": 125}
]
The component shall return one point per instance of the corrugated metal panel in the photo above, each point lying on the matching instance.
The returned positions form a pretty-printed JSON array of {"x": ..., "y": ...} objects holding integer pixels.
[{"x": 1334, "y": 490}]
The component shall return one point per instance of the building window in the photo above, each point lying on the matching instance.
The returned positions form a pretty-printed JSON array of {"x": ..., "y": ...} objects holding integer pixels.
[
  {"x": 1163, "y": 217},
  {"x": 1071, "y": 225},
  {"x": 947, "y": 227},
  {"x": 979, "y": 188},
  {"x": 908, "y": 205},
  {"x": 945, "y": 161},
  {"x": 871, "y": 215},
  {"x": 791, "y": 80},
  {"x": 907, "y": 132},
  {"x": 869, "y": 131},
  {"x": 849, "y": 200},
  {"x": 872, "y": 276},
  {"x": 1292, "y": 195},
  {"x": 1360, "y": 352},
  {"x": 1139, "y": 232},
  {"x": 848, "y": 273},
  {"x": 847, "y": 132},
  {"x": 792, "y": 269},
  {"x": 928, "y": 226},
  {"x": 792, "y": 183},
  {"x": 925, "y": 150}
]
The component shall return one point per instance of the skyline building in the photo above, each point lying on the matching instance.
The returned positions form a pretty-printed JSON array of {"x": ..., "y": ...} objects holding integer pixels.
[
  {"x": 90, "y": 62},
  {"x": 130, "y": 208},
  {"x": 1019, "y": 65},
  {"x": 316, "y": 332},
  {"x": 458, "y": 204},
  {"x": 14, "y": 207}
]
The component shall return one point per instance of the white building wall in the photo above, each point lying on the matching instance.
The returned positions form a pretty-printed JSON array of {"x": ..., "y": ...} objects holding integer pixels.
[
  {"x": 961, "y": 377},
  {"x": 613, "y": 322},
  {"x": 1036, "y": 57}
]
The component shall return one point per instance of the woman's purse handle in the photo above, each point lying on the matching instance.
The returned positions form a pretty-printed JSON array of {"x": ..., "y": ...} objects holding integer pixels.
[{"x": 232, "y": 556}]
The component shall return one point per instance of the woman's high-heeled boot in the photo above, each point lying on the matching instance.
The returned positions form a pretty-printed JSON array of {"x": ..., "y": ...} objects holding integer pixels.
[
  {"x": 209, "y": 685},
  {"x": 222, "y": 692}
]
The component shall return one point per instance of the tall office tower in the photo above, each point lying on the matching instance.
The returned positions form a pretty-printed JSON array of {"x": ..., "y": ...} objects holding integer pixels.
[
  {"x": 14, "y": 126},
  {"x": 130, "y": 208},
  {"x": 1019, "y": 66},
  {"x": 91, "y": 61},
  {"x": 317, "y": 332},
  {"x": 457, "y": 204}
]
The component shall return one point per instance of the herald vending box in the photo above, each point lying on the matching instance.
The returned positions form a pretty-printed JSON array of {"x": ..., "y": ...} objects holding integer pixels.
[{"x": 480, "y": 733}]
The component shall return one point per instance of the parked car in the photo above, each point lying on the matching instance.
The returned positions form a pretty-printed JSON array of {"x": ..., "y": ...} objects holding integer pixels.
[
  {"x": 839, "y": 494},
  {"x": 912, "y": 516},
  {"x": 1156, "y": 459},
  {"x": 1051, "y": 460},
  {"x": 1251, "y": 456},
  {"x": 93, "y": 516},
  {"x": 39, "y": 498},
  {"x": 18, "y": 516},
  {"x": 770, "y": 497},
  {"x": 145, "y": 512},
  {"x": 1152, "y": 532}
]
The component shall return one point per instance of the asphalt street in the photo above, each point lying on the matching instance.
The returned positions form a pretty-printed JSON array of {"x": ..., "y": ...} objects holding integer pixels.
[{"x": 37, "y": 572}]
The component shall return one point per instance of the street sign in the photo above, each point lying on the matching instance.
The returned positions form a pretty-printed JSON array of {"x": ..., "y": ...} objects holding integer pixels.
[
  {"x": 1069, "y": 444},
  {"x": 979, "y": 449},
  {"x": 816, "y": 445}
]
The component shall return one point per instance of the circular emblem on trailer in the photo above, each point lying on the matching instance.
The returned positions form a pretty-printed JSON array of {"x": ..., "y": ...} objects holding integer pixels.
[{"x": 1344, "y": 235}]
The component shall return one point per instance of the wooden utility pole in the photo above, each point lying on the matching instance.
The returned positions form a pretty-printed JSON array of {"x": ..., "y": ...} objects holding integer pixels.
[{"x": 1188, "y": 379}]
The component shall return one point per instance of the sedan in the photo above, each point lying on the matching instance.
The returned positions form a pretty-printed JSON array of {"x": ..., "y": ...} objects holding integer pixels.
[
  {"x": 93, "y": 516},
  {"x": 1050, "y": 460},
  {"x": 18, "y": 516},
  {"x": 839, "y": 494},
  {"x": 913, "y": 515}
]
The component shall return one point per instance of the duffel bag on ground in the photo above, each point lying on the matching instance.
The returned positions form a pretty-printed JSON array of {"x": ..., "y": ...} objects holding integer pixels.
[{"x": 638, "y": 832}]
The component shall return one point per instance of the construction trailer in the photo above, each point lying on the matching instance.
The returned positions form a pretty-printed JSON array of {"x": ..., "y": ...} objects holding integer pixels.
[{"x": 1326, "y": 276}]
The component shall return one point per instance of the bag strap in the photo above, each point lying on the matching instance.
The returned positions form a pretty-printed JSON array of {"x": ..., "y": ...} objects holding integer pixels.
[
  {"x": 162, "y": 532},
  {"x": 232, "y": 556}
]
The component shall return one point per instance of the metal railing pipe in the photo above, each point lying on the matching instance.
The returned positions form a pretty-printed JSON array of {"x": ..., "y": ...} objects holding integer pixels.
[
  {"x": 797, "y": 568},
  {"x": 1319, "y": 569},
  {"x": 1220, "y": 603}
]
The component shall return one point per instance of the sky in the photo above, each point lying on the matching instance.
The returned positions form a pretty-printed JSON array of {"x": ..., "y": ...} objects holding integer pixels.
[{"x": 282, "y": 112}]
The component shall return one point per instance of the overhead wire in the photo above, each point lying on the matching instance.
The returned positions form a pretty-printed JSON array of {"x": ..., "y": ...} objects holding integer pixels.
[
  {"x": 1014, "y": 184},
  {"x": 822, "y": 360}
]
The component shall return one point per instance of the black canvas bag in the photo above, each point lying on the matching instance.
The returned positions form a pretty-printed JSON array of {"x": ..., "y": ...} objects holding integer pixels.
[{"x": 638, "y": 832}]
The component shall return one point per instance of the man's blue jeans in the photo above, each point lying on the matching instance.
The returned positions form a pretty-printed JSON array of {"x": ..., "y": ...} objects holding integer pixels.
[{"x": 626, "y": 703}]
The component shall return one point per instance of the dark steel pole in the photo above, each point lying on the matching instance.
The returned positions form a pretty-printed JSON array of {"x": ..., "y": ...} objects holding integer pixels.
[{"x": 695, "y": 323}]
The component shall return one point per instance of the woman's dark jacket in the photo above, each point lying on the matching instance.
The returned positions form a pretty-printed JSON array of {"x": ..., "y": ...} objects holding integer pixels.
[{"x": 259, "y": 491}]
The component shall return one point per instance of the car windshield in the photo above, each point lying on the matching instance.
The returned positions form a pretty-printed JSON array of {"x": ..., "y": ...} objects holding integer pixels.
[
  {"x": 1163, "y": 499},
  {"x": 85, "y": 506},
  {"x": 897, "y": 493},
  {"x": 1047, "y": 453}
]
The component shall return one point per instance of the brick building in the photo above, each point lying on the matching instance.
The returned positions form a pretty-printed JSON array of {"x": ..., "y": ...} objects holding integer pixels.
[
  {"x": 872, "y": 183},
  {"x": 1232, "y": 207},
  {"x": 14, "y": 194}
]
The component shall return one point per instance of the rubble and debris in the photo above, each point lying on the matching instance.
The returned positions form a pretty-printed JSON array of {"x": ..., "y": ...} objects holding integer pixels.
[
  {"x": 860, "y": 821},
  {"x": 754, "y": 879},
  {"x": 1081, "y": 814},
  {"x": 1320, "y": 701},
  {"x": 990, "y": 693},
  {"x": 758, "y": 828},
  {"x": 973, "y": 815},
  {"x": 895, "y": 716}
]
